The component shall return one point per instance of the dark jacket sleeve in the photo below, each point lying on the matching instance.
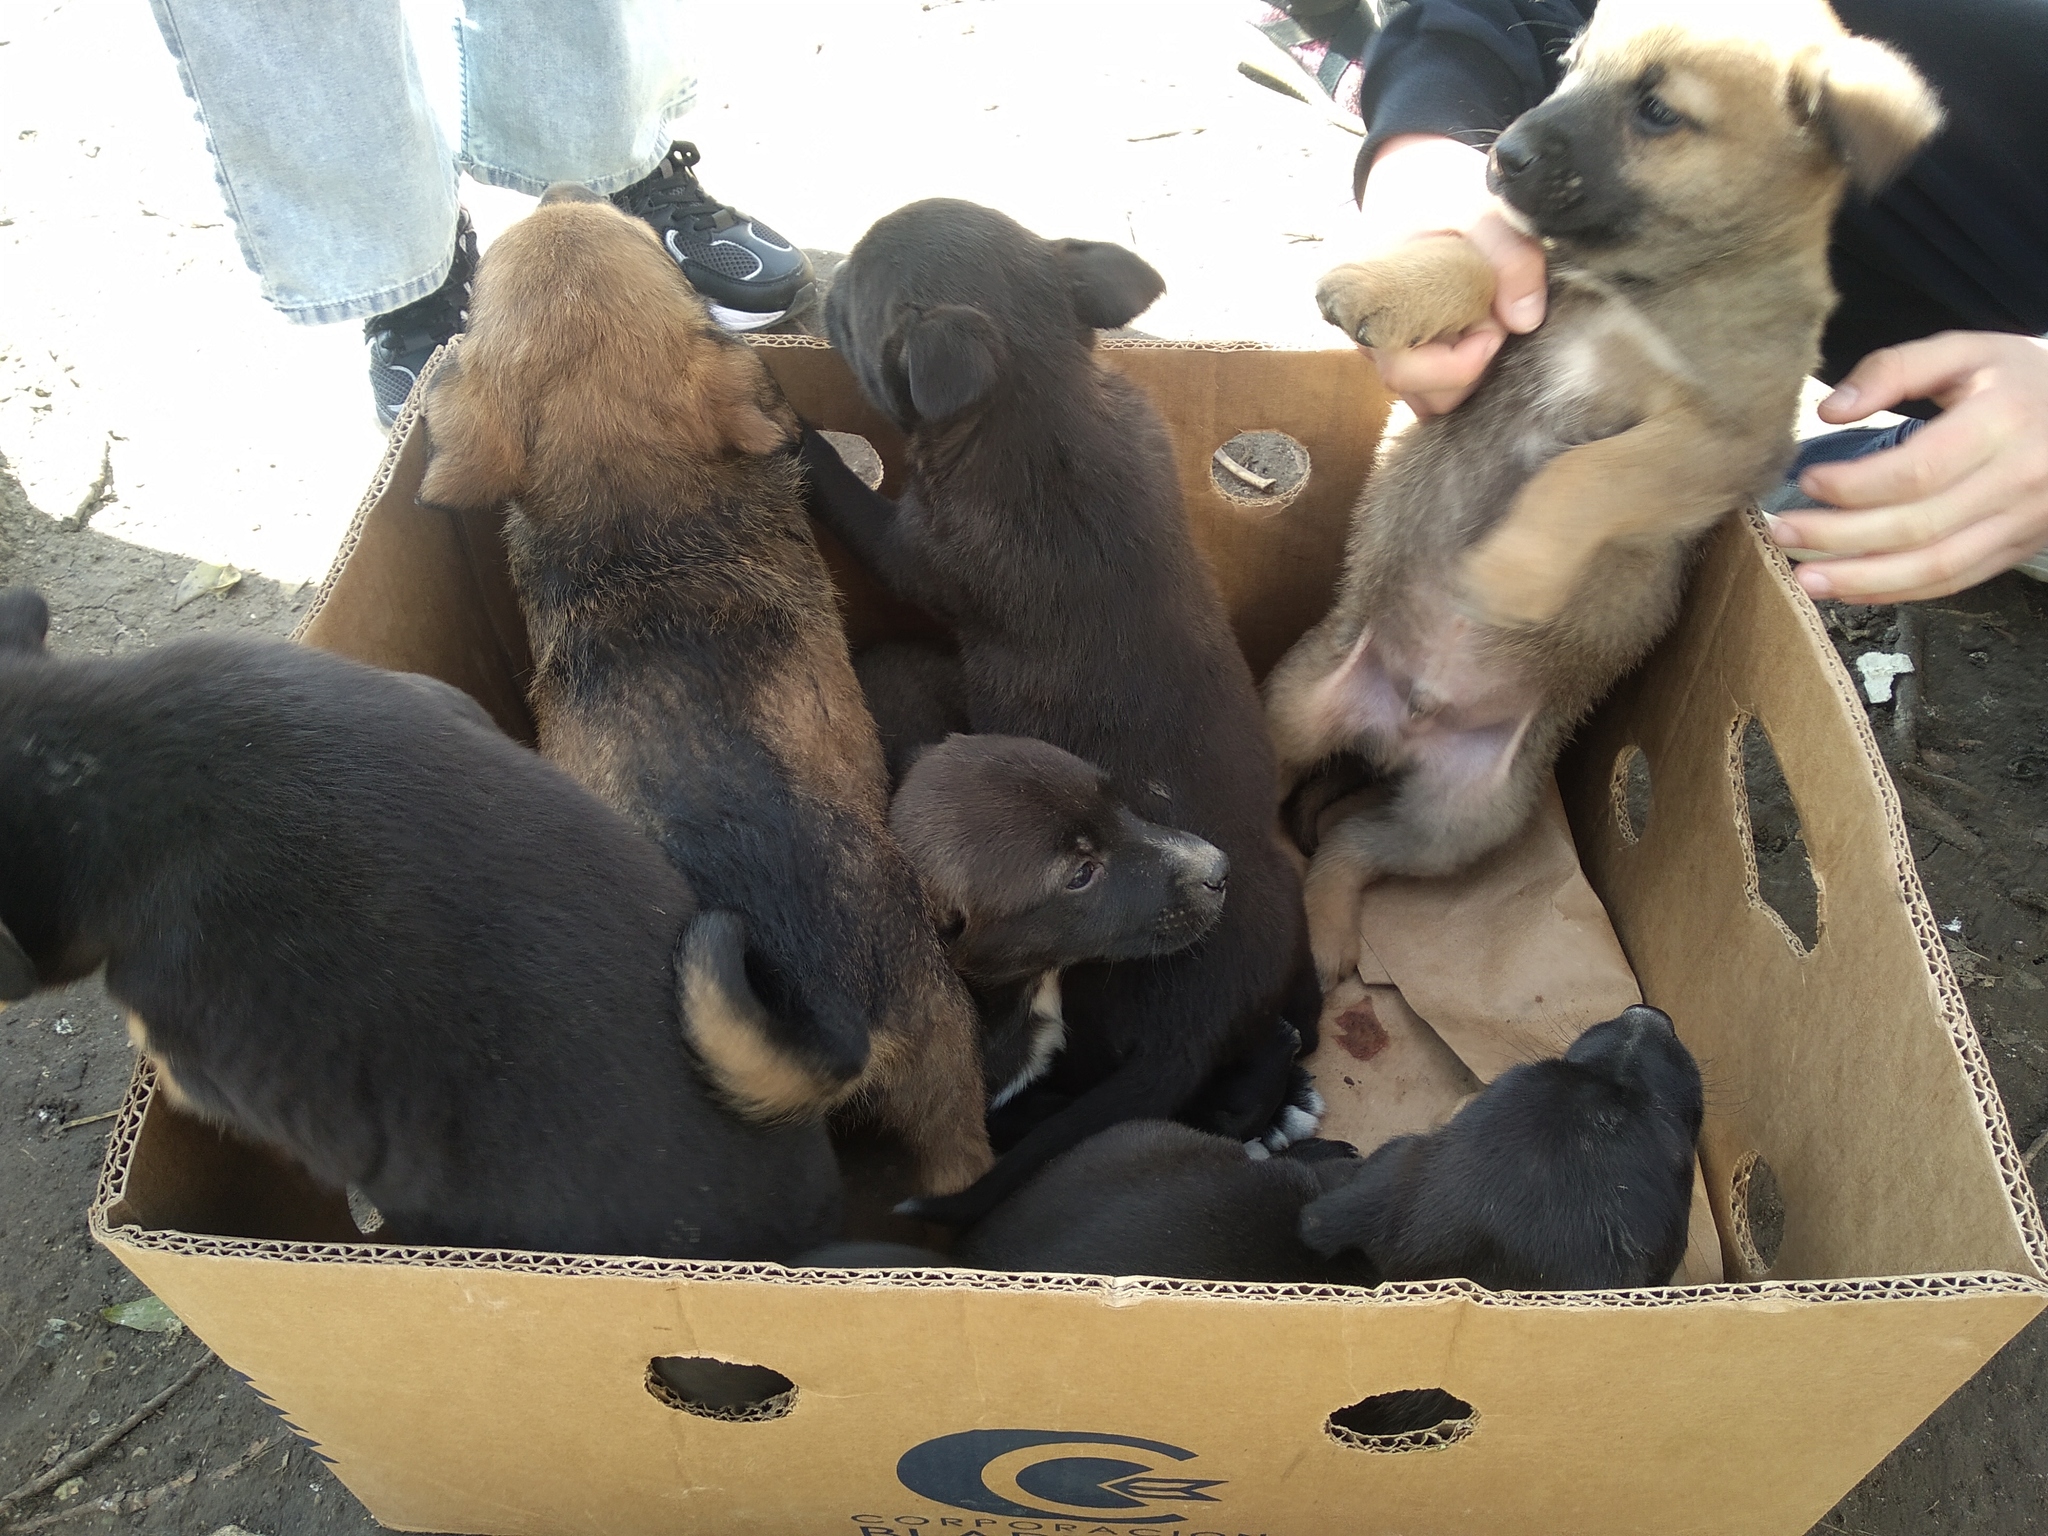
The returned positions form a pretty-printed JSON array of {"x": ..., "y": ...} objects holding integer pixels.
[{"x": 1462, "y": 68}]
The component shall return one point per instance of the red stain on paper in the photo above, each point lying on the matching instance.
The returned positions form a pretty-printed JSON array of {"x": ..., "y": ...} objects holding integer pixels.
[{"x": 1360, "y": 1031}]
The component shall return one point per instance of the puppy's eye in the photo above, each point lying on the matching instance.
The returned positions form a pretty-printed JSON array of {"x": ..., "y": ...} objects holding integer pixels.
[
  {"x": 1084, "y": 876},
  {"x": 1656, "y": 116}
]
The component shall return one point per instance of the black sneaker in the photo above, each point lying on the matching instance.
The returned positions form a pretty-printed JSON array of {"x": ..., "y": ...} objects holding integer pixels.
[
  {"x": 403, "y": 340},
  {"x": 749, "y": 275}
]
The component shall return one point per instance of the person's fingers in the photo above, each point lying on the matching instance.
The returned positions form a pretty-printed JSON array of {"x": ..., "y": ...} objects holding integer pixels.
[
  {"x": 1521, "y": 276},
  {"x": 1906, "y": 527},
  {"x": 1942, "y": 454},
  {"x": 1437, "y": 376},
  {"x": 1912, "y": 371},
  {"x": 1976, "y": 553}
]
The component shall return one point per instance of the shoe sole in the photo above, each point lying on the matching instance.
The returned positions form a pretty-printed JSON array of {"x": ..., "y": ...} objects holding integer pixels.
[{"x": 754, "y": 320}]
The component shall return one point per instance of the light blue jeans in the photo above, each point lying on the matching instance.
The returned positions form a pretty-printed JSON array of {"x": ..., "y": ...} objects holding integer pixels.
[{"x": 334, "y": 166}]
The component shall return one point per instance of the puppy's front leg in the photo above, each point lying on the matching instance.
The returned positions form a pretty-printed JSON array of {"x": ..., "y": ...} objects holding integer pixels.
[
  {"x": 863, "y": 519},
  {"x": 1668, "y": 475},
  {"x": 1438, "y": 286}
]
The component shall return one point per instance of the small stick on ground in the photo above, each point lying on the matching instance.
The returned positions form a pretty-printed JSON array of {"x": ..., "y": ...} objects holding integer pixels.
[
  {"x": 2027, "y": 1157},
  {"x": 84, "y": 1458},
  {"x": 1231, "y": 466},
  {"x": 1906, "y": 688},
  {"x": 88, "y": 1120}
]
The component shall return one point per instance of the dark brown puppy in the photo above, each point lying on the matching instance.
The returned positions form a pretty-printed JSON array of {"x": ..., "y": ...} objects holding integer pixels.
[
  {"x": 916, "y": 694},
  {"x": 689, "y": 666},
  {"x": 1154, "y": 1198},
  {"x": 1034, "y": 865},
  {"x": 355, "y": 923},
  {"x": 1041, "y": 521}
]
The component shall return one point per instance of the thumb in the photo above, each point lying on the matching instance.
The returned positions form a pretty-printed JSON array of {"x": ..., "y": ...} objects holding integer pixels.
[{"x": 1521, "y": 277}]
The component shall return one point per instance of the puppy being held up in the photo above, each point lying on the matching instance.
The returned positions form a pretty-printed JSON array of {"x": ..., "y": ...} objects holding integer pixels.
[
  {"x": 355, "y": 923},
  {"x": 1034, "y": 865},
  {"x": 690, "y": 666},
  {"x": 1041, "y": 523},
  {"x": 1511, "y": 559},
  {"x": 1569, "y": 1174}
]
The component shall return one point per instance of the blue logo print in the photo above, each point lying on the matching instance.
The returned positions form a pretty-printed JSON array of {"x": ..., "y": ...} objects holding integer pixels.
[{"x": 1044, "y": 1473}]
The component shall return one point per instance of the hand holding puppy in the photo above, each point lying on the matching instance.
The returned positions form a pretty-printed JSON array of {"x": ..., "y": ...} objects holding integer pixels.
[
  {"x": 1424, "y": 184},
  {"x": 1953, "y": 505}
]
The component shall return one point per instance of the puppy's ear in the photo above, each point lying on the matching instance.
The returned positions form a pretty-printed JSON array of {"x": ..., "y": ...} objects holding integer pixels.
[
  {"x": 753, "y": 416},
  {"x": 951, "y": 357},
  {"x": 17, "y": 972},
  {"x": 24, "y": 620},
  {"x": 1110, "y": 285},
  {"x": 475, "y": 459},
  {"x": 1873, "y": 107}
]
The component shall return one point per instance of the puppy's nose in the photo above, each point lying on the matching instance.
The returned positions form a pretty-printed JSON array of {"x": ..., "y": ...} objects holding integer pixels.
[
  {"x": 569, "y": 192},
  {"x": 1215, "y": 875},
  {"x": 1513, "y": 154}
]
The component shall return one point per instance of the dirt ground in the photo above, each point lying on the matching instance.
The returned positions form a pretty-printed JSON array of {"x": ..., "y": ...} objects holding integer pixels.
[{"x": 135, "y": 345}]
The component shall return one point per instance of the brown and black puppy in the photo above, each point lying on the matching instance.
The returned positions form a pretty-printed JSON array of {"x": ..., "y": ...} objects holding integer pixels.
[
  {"x": 1511, "y": 559},
  {"x": 1041, "y": 521},
  {"x": 1569, "y": 1174},
  {"x": 1033, "y": 865},
  {"x": 355, "y": 923},
  {"x": 690, "y": 667}
]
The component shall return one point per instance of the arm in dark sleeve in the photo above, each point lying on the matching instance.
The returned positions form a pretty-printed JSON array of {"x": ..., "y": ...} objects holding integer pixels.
[{"x": 1461, "y": 68}]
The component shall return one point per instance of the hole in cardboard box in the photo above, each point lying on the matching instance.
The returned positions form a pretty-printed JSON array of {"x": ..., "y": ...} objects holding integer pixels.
[
  {"x": 1259, "y": 471},
  {"x": 1417, "y": 1419},
  {"x": 1630, "y": 791},
  {"x": 720, "y": 1389},
  {"x": 1756, "y": 1207},
  {"x": 1779, "y": 873},
  {"x": 859, "y": 454}
]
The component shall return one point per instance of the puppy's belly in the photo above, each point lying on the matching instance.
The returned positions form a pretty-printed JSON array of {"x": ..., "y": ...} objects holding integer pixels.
[{"x": 1440, "y": 706}]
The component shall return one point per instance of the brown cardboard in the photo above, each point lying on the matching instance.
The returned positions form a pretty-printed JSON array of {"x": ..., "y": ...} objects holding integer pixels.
[{"x": 471, "y": 1391}]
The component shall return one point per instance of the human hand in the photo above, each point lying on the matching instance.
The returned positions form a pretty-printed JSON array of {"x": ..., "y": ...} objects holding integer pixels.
[
  {"x": 1424, "y": 184},
  {"x": 1959, "y": 501}
]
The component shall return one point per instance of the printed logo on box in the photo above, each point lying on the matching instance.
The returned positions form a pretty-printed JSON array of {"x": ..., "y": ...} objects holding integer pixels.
[{"x": 1045, "y": 1474}]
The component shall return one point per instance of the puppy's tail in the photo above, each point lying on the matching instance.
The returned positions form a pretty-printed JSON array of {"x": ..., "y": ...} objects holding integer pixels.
[{"x": 735, "y": 1036}]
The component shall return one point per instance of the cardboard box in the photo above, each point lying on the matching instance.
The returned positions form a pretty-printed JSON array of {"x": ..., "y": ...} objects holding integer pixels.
[{"x": 508, "y": 1392}]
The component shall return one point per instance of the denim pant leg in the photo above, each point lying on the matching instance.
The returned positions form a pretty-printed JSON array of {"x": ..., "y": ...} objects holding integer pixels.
[
  {"x": 556, "y": 90},
  {"x": 341, "y": 189},
  {"x": 1834, "y": 448}
]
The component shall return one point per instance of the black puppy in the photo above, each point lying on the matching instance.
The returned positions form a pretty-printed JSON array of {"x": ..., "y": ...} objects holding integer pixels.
[
  {"x": 1150, "y": 1197},
  {"x": 1569, "y": 1174},
  {"x": 917, "y": 695},
  {"x": 1034, "y": 865},
  {"x": 1041, "y": 521},
  {"x": 355, "y": 923}
]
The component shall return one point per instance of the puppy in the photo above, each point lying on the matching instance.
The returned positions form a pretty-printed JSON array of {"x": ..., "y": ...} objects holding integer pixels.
[
  {"x": 1509, "y": 560},
  {"x": 355, "y": 923},
  {"x": 1034, "y": 865},
  {"x": 917, "y": 695},
  {"x": 1569, "y": 1174},
  {"x": 1153, "y": 1198},
  {"x": 689, "y": 666},
  {"x": 1041, "y": 522}
]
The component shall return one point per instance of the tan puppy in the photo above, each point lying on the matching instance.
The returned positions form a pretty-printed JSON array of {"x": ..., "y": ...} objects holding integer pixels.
[
  {"x": 1511, "y": 559},
  {"x": 689, "y": 666}
]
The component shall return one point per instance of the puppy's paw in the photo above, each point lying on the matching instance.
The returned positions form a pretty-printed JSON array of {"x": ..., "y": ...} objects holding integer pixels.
[
  {"x": 1298, "y": 1118},
  {"x": 1432, "y": 288}
]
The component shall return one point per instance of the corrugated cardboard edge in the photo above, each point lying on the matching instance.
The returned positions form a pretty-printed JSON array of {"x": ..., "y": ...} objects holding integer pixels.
[
  {"x": 1955, "y": 1012},
  {"x": 1121, "y": 1290}
]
